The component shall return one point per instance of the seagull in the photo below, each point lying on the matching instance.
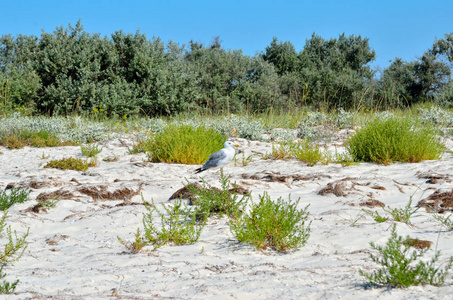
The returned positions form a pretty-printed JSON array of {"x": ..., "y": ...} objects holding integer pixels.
[{"x": 220, "y": 158}]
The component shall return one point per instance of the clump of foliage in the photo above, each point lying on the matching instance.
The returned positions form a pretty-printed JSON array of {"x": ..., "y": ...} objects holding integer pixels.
[
  {"x": 179, "y": 225},
  {"x": 212, "y": 201},
  {"x": 395, "y": 139},
  {"x": 16, "y": 139},
  {"x": 12, "y": 251},
  {"x": 401, "y": 265},
  {"x": 69, "y": 163},
  {"x": 90, "y": 150},
  {"x": 402, "y": 215},
  {"x": 184, "y": 144},
  {"x": 16, "y": 195},
  {"x": 304, "y": 151},
  {"x": 275, "y": 224}
]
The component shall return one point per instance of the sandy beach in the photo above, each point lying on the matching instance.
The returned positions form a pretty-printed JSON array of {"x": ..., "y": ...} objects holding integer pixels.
[{"x": 73, "y": 251}]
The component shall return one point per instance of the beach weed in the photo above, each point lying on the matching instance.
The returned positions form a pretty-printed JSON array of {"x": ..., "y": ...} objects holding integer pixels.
[
  {"x": 5, "y": 286},
  {"x": 391, "y": 139},
  {"x": 376, "y": 216},
  {"x": 15, "y": 247},
  {"x": 212, "y": 201},
  {"x": 401, "y": 264},
  {"x": 184, "y": 144},
  {"x": 69, "y": 163},
  {"x": 178, "y": 225},
  {"x": 16, "y": 195},
  {"x": 90, "y": 150},
  {"x": 447, "y": 222},
  {"x": 136, "y": 245},
  {"x": 273, "y": 224}
]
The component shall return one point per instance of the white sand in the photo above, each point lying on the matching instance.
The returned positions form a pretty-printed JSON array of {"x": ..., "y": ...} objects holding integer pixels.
[{"x": 73, "y": 252}]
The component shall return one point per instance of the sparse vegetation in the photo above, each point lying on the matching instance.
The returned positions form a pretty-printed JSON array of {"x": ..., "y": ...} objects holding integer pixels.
[
  {"x": 403, "y": 266},
  {"x": 90, "y": 150},
  {"x": 15, "y": 195},
  {"x": 12, "y": 251},
  {"x": 69, "y": 163},
  {"x": 273, "y": 224},
  {"x": 212, "y": 201}
]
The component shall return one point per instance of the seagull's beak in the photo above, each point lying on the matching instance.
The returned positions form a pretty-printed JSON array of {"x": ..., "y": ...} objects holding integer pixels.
[{"x": 236, "y": 145}]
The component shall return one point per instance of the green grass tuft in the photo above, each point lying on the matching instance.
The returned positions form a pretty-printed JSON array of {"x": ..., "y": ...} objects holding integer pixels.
[
  {"x": 393, "y": 139},
  {"x": 184, "y": 144},
  {"x": 275, "y": 224},
  {"x": 16, "y": 195}
]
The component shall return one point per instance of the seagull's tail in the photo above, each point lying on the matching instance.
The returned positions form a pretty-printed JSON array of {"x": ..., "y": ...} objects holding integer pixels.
[{"x": 198, "y": 170}]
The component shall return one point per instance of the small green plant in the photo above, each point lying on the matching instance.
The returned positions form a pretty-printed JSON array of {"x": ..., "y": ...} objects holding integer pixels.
[
  {"x": 275, "y": 224},
  {"x": 309, "y": 153},
  {"x": 302, "y": 150},
  {"x": 376, "y": 216},
  {"x": 401, "y": 265},
  {"x": 44, "y": 156},
  {"x": 447, "y": 222},
  {"x": 179, "y": 225},
  {"x": 90, "y": 150},
  {"x": 212, "y": 201},
  {"x": 385, "y": 140},
  {"x": 402, "y": 214},
  {"x": 245, "y": 160},
  {"x": 12, "y": 251},
  {"x": 137, "y": 245},
  {"x": 184, "y": 144},
  {"x": 16, "y": 195},
  {"x": 69, "y": 163},
  {"x": 5, "y": 286}
]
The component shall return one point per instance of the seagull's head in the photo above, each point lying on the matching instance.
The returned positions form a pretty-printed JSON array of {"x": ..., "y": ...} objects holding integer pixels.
[{"x": 229, "y": 144}]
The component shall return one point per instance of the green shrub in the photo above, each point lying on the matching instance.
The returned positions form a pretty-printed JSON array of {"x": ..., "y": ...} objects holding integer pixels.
[
  {"x": 401, "y": 267},
  {"x": 90, "y": 150},
  {"x": 12, "y": 251},
  {"x": 213, "y": 201},
  {"x": 69, "y": 163},
  {"x": 304, "y": 151},
  {"x": 184, "y": 144},
  {"x": 279, "y": 225},
  {"x": 179, "y": 225},
  {"x": 16, "y": 195},
  {"x": 395, "y": 139}
]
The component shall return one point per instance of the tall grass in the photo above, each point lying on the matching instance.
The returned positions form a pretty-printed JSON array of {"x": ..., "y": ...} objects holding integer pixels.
[
  {"x": 403, "y": 139},
  {"x": 184, "y": 144}
]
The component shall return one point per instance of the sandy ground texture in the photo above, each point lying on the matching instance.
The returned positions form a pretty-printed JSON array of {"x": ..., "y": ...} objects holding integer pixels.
[{"x": 73, "y": 251}]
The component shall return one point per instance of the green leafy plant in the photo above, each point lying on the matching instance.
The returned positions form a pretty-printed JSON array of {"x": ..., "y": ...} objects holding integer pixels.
[
  {"x": 398, "y": 214},
  {"x": 69, "y": 163},
  {"x": 12, "y": 251},
  {"x": 376, "y": 216},
  {"x": 16, "y": 195},
  {"x": 392, "y": 139},
  {"x": 309, "y": 153},
  {"x": 90, "y": 150},
  {"x": 401, "y": 265},
  {"x": 179, "y": 225},
  {"x": 135, "y": 246},
  {"x": 275, "y": 224},
  {"x": 447, "y": 222},
  {"x": 213, "y": 201},
  {"x": 184, "y": 144}
]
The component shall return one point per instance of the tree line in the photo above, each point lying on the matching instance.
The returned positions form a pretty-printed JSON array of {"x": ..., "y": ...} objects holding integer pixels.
[{"x": 71, "y": 71}]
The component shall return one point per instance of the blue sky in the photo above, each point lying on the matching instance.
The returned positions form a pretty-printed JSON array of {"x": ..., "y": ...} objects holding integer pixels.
[{"x": 398, "y": 28}]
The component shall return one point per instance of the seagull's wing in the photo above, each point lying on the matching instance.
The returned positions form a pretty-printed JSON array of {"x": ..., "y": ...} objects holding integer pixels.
[{"x": 219, "y": 155}]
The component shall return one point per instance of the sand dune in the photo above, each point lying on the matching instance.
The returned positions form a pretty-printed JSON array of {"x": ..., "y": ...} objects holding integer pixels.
[{"x": 73, "y": 252}]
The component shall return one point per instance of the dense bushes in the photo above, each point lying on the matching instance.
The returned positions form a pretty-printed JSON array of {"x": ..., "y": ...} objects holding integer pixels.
[{"x": 70, "y": 71}]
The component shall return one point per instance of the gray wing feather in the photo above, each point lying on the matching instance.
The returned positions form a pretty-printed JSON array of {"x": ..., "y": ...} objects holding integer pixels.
[{"x": 218, "y": 155}]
